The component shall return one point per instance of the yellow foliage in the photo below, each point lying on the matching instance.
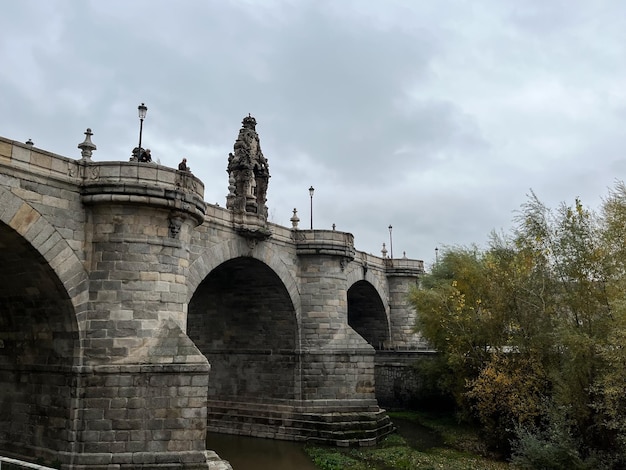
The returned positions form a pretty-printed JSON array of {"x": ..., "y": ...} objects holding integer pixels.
[{"x": 509, "y": 390}]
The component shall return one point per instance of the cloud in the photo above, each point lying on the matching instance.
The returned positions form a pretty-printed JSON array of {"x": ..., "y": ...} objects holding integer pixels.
[{"x": 435, "y": 117}]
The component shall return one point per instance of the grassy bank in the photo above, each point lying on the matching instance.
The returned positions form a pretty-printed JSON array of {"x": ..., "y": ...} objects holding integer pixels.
[{"x": 423, "y": 441}]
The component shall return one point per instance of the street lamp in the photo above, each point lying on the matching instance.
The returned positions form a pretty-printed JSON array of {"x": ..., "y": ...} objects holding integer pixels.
[
  {"x": 311, "y": 191},
  {"x": 142, "y": 109},
  {"x": 390, "y": 243}
]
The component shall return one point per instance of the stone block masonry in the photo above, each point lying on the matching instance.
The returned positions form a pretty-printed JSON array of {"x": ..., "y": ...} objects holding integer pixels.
[
  {"x": 142, "y": 414},
  {"x": 135, "y": 316}
]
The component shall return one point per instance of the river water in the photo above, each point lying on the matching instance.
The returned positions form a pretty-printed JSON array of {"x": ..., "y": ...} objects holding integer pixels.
[{"x": 253, "y": 453}]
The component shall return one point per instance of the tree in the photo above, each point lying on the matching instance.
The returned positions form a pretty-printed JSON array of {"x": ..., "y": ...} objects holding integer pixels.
[
  {"x": 537, "y": 320},
  {"x": 453, "y": 318}
]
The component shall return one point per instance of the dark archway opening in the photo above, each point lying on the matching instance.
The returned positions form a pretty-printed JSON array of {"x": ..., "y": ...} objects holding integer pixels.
[
  {"x": 242, "y": 319},
  {"x": 38, "y": 340},
  {"x": 366, "y": 314}
]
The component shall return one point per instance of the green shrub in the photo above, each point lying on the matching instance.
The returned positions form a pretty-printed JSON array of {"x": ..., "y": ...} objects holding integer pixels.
[
  {"x": 333, "y": 459},
  {"x": 551, "y": 449}
]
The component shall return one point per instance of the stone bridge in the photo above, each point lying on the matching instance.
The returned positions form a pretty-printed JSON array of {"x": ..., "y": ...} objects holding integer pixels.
[{"x": 134, "y": 316}]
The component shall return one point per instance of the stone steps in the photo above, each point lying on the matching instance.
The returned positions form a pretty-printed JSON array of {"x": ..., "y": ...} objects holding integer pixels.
[{"x": 288, "y": 422}]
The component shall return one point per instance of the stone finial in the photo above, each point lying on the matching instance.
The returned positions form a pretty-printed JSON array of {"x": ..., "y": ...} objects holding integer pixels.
[
  {"x": 384, "y": 251},
  {"x": 29, "y": 142},
  {"x": 87, "y": 146},
  {"x": 295, "y": 219}
]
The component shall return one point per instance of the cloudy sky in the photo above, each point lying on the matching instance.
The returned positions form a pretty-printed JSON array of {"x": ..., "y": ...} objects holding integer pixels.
[{"x": 437, "y": 117}]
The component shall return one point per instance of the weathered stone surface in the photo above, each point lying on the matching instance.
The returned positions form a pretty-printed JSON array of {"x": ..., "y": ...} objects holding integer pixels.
[
  {"x": 119, "y": 286},
  {"x": 398, "y": 380}
]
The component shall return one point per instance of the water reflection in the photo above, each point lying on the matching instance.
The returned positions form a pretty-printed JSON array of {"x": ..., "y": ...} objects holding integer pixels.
[
  {"x": 417, "y": 435},
  {"x": 252, "y": 453}
]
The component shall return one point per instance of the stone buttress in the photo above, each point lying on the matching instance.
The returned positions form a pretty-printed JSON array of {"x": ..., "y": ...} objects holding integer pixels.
[
  {"x": 118, "y": 378},
  {"x": 137, "y": 356}
]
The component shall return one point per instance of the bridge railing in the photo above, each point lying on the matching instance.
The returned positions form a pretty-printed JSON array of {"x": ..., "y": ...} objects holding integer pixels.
[{"x": 7, "y": 463}]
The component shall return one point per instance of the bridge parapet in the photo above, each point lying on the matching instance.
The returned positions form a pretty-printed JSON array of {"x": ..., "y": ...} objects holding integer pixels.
[
  {"x": 143, "y": 183},
  {"x": 404, "y": 267},
  {"x": 111, "y": 181},
  {"x": 325, "y": 242},
  {"x": 392, "y": 267},
  {"x": 32, "y": 160}
]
